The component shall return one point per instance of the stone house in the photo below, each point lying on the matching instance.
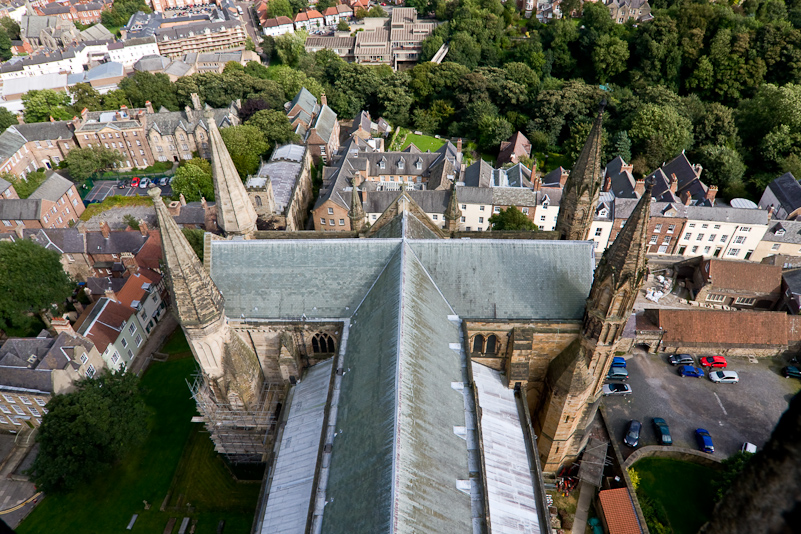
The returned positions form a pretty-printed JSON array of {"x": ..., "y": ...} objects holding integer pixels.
[
  {"x": 281, "y": 191},
  {"x": 664, "y": 228},
  {"x": 623, "y": 10},
  {"x": 122, "y": 130},
  {"x": 518, "y": 146},
  {"x": 32, "y": 370},
  {"x": 738, "y": 284},
  {"x": 115, "y": 331}
]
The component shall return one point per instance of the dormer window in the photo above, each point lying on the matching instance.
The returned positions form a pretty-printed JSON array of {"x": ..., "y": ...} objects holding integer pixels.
[
  {"x": 603, "y": 212},
  {"x": 418, "y": 164},
  {"x": 779, "y": 231},
  {"x": 401, "y": 164},
  {"x": 382, "y": 164}
]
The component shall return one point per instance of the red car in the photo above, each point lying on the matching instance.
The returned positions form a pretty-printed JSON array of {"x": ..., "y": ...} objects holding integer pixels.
[
  {"x": 135, "y": 181},
  {"x": 714, "y": 361}
]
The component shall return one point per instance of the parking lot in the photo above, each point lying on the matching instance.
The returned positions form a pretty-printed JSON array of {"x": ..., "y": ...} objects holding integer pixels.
[
  {"x": 732, "y": 413},
  {"x": 107, "y": 188}
]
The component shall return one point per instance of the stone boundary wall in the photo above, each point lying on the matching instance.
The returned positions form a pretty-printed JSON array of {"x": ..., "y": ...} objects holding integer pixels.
[{"x": 674, "y": 453}]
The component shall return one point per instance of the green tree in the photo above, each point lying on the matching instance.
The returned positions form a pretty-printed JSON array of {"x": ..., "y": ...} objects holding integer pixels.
[
  {"x": 246, "y": 145},
  {"x": 86, "y": 96},
  {"x": 298, "y": 5},
  {"x": 621, "y": 146},
  {"x": 7, "y": 119},
  {"x": 511, "y": 219},
  {"x": 131, "y": 221},
  {"x": 155, "y": 88},
  {"x": 121, "y": 12},
  {"x": 492, "y": 131},
  {"x": 609, "y": 57},
  {"x": 5, "y": 46},
  {"x": 89, "y": 429},
  {"x": 274, "y": 126},
  {"x": 11, "y": 27},
  {"x": 376, "y": 12},
  {"x": 194, "y": 180},
  {"x": 343, "y": 26},
  {"x": 22, "y": 262},
  {"x": 291, "y": 47},
  {"x": 579, "y": 132},
  {"x": 114, "y": 99},
  {"x": 85, "y": 162},
  {"x": 722, "y": 165},
  {"x": 25, "y": 186},
  {"x": 41, "y": 104},
  {"x": 659, "y": 133},
  {"x": 250, "y": 45},
  {"x": 732, "y": 467},
  {"x": 195, "y": 238}
]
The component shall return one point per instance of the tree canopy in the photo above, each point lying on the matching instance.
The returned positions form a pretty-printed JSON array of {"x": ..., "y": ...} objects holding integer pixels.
[
  {"x": 82, "y": 163},
  {"x": 511, "y": 219},
  {"x": 246, "y": 145},
  {"x": 41, "y": 104},
  {"x": 21, "y": 262},
  {"x": 87, "y": 430},
  {"x": 193, "y": 179}
]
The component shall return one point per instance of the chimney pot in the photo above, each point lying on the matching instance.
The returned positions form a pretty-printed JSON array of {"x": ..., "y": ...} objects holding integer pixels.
[
  {"x": 182, "y": 199},
  {"x": 149, "y": 107},
  {"x": 323, "y": 99},
  {"x": 105, "y": 229},
  {"x": 686, "y": 198},
  {"x": 639, "y": 187},
  {"x": 711, "y": 193},
  {"x": 61, "y": 324},
  {"x": 143, "y": 229}
]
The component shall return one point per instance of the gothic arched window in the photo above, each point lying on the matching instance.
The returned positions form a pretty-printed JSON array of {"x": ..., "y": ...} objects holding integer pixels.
[
  {"x": 323, "y": 343},
  {"x": 258, "y": 201},
  {"x": 478, "y": 343},
  {"x": 492, "y": 344}
]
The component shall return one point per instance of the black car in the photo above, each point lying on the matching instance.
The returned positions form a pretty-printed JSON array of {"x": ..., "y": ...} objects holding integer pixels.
[
  {"x": 662, "y": 431},
  {"x": 122, "y": 185},
  {"x": 681, "y": 359},
  {"x": 632, "y": 438}
]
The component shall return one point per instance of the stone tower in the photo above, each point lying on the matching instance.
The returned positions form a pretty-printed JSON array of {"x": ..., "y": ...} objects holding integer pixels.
[
  {"x": 453, "y": 215},
  {"x": 231, "y": 375},
  {"x": 580, "y": 193},
  {"x": 356, "y": 213},
  {"x": 576, "y": 376},
  {"x": 235, "y": 214}
]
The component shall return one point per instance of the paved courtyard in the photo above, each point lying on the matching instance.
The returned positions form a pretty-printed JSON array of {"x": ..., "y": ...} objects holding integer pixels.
[
  {"x": 106, "y": 188},
  {"x": 732, "y": 413}
]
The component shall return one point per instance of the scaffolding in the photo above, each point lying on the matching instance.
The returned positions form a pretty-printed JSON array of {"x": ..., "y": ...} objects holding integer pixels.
[{"x": 242, "y": 435}]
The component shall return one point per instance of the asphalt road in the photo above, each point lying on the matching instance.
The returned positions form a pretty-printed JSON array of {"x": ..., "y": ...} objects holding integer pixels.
[
  {"x": 732, "y": 413},
  {"x": 107, "y": 188}
]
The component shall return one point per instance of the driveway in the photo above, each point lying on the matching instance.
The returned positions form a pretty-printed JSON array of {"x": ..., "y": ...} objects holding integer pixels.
[{"x": 732, "y": 413}]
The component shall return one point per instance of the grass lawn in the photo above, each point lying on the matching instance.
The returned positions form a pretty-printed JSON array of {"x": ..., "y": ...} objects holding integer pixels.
[
  {"x": 115, "y": 201},
  {"x": 177, "y": 456},
  {"x": 684, "y": 489},
  {"x": 553, "y": 161},
  {"x": 423, "y": 142}
]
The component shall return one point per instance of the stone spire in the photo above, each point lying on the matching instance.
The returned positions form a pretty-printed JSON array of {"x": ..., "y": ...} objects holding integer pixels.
[
  {"x": 197, "y": 300},
  {"x": 580, "y": 193},
  {"x": 356, "y": 213},
  {"x": 453, "y": 214},
  {"x": 235, "y": 213}
]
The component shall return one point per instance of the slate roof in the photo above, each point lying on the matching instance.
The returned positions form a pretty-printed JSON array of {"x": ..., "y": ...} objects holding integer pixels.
[
  {"x": 553, "y": 177},
  {"x": 306, "y": 101},
  {"x": 10, "y": 142},
  {"x": 513, "y": 196},
  {"x": 743, "y": 276},
  {"x": 293, "y": 282},
  {"x": 62, "y": 240},
  {"x": 115, "y": 243},
  {"x": 622, "y": 181},
  {"x": 429, "y": 201},
  {"x": 324, "y": 125},
  {"x": 44, "y": 131},
  {"x": 20, "y": 209},
  {"x": 516, "y": 176},
  {"x": 152, "y": 63},
  {"x": 727, "y": 214},
  {"x": 53, "y": 188},
  {"x": 4, "y": 184},
  {"x": 787, "y": 191},
  {"x": 778, "y": 231},
  {"x": 479, "y": 174},
  {"x": 99, "y": 286}
]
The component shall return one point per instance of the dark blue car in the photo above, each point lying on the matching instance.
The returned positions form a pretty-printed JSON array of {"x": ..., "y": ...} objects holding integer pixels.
[
  {"x": 704, "y": 440},
  {"x": 619, "y": 361},
  {"x": 689, "y": 370}
]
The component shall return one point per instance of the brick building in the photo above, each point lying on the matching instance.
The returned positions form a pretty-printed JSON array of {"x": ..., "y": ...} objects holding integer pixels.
[{"x": 54, "y": 204}]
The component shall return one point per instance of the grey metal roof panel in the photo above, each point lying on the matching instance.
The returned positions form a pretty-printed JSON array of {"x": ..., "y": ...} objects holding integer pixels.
[
  {"x": 286, "y": 279},
  {"x": 527, "y": 279},
  {"x": 53, "y": 188}
]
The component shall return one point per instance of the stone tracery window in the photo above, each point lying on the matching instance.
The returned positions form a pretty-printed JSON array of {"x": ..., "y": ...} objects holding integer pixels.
[{"x": 322, "y": 343}]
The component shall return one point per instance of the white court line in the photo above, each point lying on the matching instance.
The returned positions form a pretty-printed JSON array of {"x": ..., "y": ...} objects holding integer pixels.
[{"x": 721, "y": 404}]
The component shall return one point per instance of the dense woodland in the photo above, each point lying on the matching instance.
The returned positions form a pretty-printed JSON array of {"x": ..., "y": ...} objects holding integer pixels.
[{"x": 721, "y": 82}]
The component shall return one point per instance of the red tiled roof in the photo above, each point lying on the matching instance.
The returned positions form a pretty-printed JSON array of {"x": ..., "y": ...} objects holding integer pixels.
[
  {"x": 106, "y": 327},
  {"x": 133, "y": 290},
  {"x": 516, "y": 145},
  {"x": 619, "y": 511},
  {"x": 722, "y": 327},
  {"x": 149, "y": 255},
  {"x": 330, "y": 11},
  {"x": 301, "y": 17},
  {"x": 744, "y": 275},
  {"x": 314, "y": 14}
]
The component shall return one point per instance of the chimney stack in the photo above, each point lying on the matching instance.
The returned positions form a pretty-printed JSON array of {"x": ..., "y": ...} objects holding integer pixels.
[
  {"x": 105, "y": 229},
  {"x": 711, "y": 193},
  {"x": 209, "y": 216},
  {"x": 459, "y": 145},
  {"x": 182, "y": 199},
  {"x": 323, "y": 99},
  {"x": 674, "y": 184},
  {"x": 639, "y": 188},
  {"x": 607, "y": 184},
  {"x": 196, "y": 101},
  {"x": 19, "y": 231},
  {"x": 129, "y": 262},
  {"x": 174, "y": 208},
  {"x": 143, "y": 229},
  {"x": 563, "y": 178},
  {"x": 536, "y": 183},
  {"x": 770, "y": 211},
  {"x": 686, "y": 197},
  {"x": 110, "y": 295},
  {"x": 149, "y": 107},
  {"x": 61, "y": 324}
]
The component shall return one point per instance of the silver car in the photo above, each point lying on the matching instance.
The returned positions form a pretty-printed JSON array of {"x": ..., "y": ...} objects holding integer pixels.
[
  {"x": 724, "y": 377},
  {"x": 616, "y": 389}
]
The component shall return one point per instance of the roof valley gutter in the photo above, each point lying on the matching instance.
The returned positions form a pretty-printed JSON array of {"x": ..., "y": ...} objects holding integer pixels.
[{"x": 330, "y": 431}]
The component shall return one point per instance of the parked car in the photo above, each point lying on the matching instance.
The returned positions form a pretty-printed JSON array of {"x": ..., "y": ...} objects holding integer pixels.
[
  {"x": 632, "y": 438},
  {"x": 690, "y": 370},
  {"x": 122, "y": 184},
  {"x": 714, "y": 361},
  {"x": 619, "y": 361},
  {"x": 704, "y": 440},
  {"x": 163, "y": 181},
  {"x": 143, "y": 183},
  {"x": 662, "y": 431},
  {"x": 616, "y": 389},
  {"x": 617, "y": 373},
  {"x": 791, "y": 371},
  {"x": 724, "y": 377},
  {"x": 681, "y": 359},
  {"x": 748, "y": 447},
  {"x": 135, "y": 181}
]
